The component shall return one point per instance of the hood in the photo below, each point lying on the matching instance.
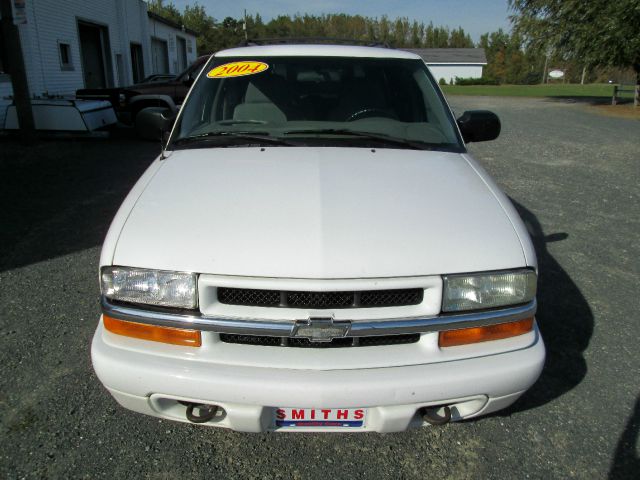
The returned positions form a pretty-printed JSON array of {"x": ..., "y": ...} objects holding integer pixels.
[{"x": 318, "y": 213}]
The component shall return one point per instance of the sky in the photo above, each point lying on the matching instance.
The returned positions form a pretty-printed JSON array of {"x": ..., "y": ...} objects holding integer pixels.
[{"x": 475, "y": 16}]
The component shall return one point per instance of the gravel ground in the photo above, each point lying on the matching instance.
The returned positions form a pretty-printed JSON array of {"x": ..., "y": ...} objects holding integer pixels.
[{"x": 574, "y": 177}]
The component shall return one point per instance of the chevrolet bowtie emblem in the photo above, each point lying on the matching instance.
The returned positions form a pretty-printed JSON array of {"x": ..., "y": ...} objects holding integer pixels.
[{"x": 321, "y": 329}]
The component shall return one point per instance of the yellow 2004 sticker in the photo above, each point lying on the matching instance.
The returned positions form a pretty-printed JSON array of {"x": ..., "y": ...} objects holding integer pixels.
[{"x": 237, "y": 69}]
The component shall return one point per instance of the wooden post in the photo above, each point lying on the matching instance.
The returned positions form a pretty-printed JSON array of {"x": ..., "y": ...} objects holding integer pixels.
[
  {"x": 15, "y": 64},
  {"x": 615, "y": 92},
  {"x": 636, "y": 96},
  {"x": 544, "y": 71}
]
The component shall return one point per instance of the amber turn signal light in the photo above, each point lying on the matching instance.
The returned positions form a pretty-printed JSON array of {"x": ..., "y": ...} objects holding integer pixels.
[
  {"x": 174, "y": 336},
  {"x": 465, "y": 336}
]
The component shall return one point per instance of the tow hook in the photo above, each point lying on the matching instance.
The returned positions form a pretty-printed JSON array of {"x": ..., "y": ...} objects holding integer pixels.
[
  {"x": 431, "y": 415},
  {"x": 205, "y": 412}
]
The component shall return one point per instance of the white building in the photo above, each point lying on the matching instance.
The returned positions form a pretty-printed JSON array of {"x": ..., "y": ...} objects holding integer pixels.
[
  {"x": 72, "y": 44},
  {"x": 449, "y": 63},
  {"x": 172, "y": 49}
]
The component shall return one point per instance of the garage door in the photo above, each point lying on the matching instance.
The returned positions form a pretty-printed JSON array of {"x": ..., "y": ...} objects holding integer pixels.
[{"x": 159, "y": 56}]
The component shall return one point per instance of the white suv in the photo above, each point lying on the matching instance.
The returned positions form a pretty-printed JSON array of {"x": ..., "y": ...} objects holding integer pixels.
[{"x": 316, "y": 250}]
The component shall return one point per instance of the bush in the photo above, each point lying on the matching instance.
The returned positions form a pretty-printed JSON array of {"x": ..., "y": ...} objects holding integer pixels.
[
  {"x": 442, "y": 81},
  {"x": 532, "y": 78},
  {"x": 476, "y": 81}
]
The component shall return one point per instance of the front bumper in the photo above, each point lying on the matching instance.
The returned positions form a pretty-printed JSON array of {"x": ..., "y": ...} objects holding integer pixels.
[{"x": 153, "y": 384}]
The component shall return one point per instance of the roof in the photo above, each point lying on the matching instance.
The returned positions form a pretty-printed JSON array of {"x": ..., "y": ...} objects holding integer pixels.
[
  {"x": 171, "y": 23},
  {"x": 433, "y": 56},
  {"x": 316, "y": 51}
]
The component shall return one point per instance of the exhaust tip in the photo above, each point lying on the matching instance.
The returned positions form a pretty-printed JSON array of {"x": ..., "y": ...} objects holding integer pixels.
[{"x": 438, "y": 415}]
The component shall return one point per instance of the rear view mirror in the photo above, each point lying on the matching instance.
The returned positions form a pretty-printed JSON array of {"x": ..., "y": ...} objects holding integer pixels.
[
  {"x": 479, "y": 126},
  {"x": 153, "y": 122}
]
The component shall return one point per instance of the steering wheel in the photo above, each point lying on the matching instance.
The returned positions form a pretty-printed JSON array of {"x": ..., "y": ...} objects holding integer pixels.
[{"x": 368, "y": 112}]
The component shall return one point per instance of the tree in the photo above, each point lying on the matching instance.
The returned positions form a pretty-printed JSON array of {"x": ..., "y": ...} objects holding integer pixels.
[
  {"x": 195, "y": 17},
  {"x": 400, "y": 32},
  {"x": 596, "y": 32},
  {"x": 459, "y": 39},
  {"x": 166, "y": 10}
]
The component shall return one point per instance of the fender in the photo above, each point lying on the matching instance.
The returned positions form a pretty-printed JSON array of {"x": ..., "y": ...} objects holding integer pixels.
[{"x": 161, "y": 98}]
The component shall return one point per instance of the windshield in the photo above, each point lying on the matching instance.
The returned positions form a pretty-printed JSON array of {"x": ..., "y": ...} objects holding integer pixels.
[{"x": 321, "y": 101}]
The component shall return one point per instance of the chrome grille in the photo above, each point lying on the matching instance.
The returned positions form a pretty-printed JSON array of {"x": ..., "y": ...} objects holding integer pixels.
[{"x": 373, "y": 341}]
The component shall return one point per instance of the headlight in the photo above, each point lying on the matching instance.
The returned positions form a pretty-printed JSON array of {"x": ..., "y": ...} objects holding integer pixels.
[
  {"x": 488, "y": 290},
  {"x": 153, "y": 287}
]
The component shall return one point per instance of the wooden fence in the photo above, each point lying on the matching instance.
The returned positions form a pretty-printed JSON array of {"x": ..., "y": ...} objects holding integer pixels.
[{"x": 622, "y": 88}]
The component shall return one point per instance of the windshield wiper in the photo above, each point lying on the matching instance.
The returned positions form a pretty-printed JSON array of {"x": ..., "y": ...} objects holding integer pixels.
[
  {"x": 381, "y": 137},
  {"x": 263, "y": 137}
]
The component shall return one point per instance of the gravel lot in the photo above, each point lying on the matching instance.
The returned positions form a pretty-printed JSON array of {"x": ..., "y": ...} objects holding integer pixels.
[{"x": 574, "y": 176}]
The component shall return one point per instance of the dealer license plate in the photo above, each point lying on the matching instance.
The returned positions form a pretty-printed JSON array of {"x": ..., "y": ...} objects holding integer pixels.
[{"x": 320, "y": 417}]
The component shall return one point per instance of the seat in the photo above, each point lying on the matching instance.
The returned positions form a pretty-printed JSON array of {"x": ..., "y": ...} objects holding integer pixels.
[{"x": 257, "y": 106}]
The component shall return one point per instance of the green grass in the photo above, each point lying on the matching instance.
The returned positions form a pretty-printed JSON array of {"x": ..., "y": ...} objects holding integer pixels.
[{"x": 552, "y": 90}]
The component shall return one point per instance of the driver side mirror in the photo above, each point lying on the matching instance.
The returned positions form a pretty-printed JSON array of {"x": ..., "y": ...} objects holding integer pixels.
[
  {"x": 152, "y": 123},
  {"x": 479, "y": 126}
]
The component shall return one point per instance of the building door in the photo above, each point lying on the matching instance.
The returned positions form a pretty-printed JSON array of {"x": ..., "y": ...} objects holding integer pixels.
[
  {"x": 137, "y": 63},
  {"x": 181, "y": 46},
  {"x": 159, "y": 56},
  {"x": 94, "y": 48}
]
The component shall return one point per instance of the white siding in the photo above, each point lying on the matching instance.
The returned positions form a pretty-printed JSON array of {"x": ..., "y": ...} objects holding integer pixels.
[
  {"x": 450, "y": 71},
  {"x": 138, "y": 30},
  {"x": 168, "y": 34},
  {"x": 50, "y": 22}
]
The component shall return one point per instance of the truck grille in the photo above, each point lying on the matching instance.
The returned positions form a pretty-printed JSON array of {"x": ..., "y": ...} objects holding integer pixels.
[
  {"x": 306, "y": 343},
  {"x": 320, "y": 300}
]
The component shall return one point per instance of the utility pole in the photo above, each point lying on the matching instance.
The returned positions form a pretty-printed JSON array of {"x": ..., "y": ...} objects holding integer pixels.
[
  {"x": 244, "y": 25},
  {"x": 15, "y": 68}
]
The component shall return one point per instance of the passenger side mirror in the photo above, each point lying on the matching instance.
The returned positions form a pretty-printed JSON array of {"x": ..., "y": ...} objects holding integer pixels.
[
  {"x": 153, "y": 122},
  {"x": 479, "y": 126}
]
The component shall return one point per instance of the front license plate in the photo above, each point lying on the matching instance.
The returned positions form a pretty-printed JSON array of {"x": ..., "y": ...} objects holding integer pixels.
[{"x": 320, "y": 417}]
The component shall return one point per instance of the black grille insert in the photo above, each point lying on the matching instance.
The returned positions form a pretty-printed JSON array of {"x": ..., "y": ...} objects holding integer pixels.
[
  {"x": 320, "y": 300},
  {"x": 306, "y": 343}
]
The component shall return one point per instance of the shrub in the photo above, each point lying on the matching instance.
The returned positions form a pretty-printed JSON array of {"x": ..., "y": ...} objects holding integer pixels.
[
  {"x": 532, "y": 78},
  {"x": 476, "y": 81},
  {"x": 442, "y": 81}
]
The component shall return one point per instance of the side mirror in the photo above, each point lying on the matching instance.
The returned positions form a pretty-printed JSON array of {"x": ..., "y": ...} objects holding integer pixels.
[
  {"x": 153, "y": 122},
  {"x": 479, "y": 126}
]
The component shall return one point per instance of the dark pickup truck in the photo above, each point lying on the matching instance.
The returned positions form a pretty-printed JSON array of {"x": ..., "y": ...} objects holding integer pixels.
[{"x": 128, "y": 101}]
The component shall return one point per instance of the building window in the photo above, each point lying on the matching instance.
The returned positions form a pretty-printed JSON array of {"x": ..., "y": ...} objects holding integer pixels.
[{"x": 66, "y": 62}]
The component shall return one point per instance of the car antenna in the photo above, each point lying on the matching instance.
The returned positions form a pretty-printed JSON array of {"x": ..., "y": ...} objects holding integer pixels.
[{"x": 162, "y": 146}]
